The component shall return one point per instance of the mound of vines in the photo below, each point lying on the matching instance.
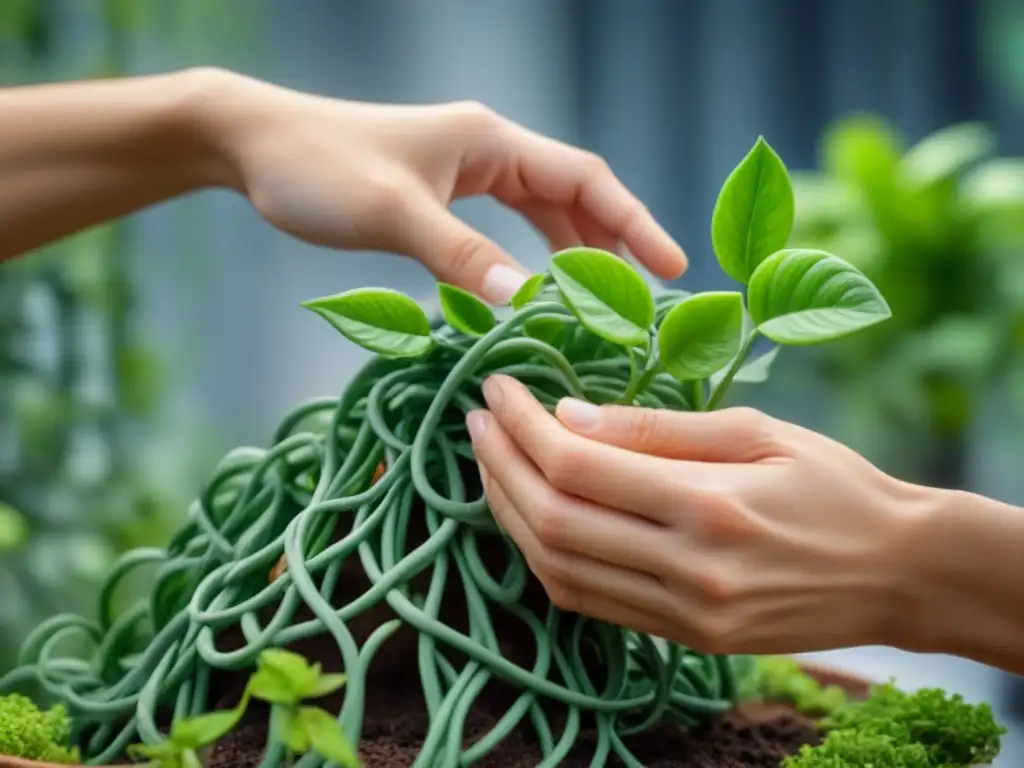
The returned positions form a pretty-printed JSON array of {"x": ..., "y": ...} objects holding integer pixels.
[{"x": 365, "y": 519}]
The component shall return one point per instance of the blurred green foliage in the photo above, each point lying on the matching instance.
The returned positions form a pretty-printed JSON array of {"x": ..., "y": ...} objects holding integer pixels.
[
  {"x": 939, "y": 228},
  {"x": 80, "y": 389}
]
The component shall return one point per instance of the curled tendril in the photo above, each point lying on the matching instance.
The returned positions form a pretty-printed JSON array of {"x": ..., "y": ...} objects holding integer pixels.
[{"x": 313, "y": 510}]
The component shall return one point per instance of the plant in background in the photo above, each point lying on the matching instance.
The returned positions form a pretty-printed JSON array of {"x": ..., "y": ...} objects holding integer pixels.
[
  {"x": 589, "y": 327},
  {"x": 939, "y": 228},
  {"x": 77, "y": 383},
  {"x": 779, "y": 678},
  {"x": 31, "y": 733}
]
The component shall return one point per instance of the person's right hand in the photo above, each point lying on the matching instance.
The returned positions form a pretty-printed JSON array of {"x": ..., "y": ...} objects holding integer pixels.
[{"x": 381, "y": 177}]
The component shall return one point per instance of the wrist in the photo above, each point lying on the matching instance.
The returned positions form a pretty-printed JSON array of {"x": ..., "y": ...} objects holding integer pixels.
[{"x": 960, "y": 569}]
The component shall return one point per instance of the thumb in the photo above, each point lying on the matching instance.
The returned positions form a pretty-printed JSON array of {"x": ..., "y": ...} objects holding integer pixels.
[
  {"x": 456, "y": 253},
  {"x": 732, "y": 435}
]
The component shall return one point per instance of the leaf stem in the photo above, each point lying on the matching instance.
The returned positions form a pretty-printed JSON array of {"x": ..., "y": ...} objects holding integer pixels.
[
  {"x": 695, "y": 394},
  {"x": 637, "y": 384},
  {"x": 723, "y": 385}
]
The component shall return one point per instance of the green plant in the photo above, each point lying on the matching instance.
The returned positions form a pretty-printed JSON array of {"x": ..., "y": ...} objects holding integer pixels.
[
  {"x": 31, "y": 733},
  {"x": 952, "y": 731},
  {"x": 364, "y": 553},
  {"x": 282, "y": 679},
  {"x": 939, "y": 228},
  {"x": 779, "y": 678},
  {"x": 852, "y": 749}
]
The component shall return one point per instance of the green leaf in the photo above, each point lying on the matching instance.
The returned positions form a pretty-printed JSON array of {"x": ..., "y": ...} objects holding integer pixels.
[
  {"x": 529, "y": 290},
  {"x": 701, "y": 334},
  {"x": 997, "y": 185},
  {"x": 189, "y": 759},
  {"x": 13, "y": 528},
  {"x": 269, "y": 686},
  {"x": 383, "y": 321},
  {"x": 327, "y": 737},
  {"x": 802, "y": 297},
  {"x": 946, "y": 153},
  {"x": 753, "y": 216},
  {"x": 160, "y": 751},
  {"x": 550, "y": 330},
  {"x": 606, "y": 294},
  {"x": 324, "y": 685},
  {"x": 463, "y": 311},
  {"x": 754, "y": 372},
  {"x": 203, "y": 730}
]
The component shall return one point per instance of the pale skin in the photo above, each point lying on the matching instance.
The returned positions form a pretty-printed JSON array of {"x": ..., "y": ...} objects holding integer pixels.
[{"x": 727, "y": 531}]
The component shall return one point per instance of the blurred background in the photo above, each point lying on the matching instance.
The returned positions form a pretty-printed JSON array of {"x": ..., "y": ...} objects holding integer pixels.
[{"x": 133, "y": 355}]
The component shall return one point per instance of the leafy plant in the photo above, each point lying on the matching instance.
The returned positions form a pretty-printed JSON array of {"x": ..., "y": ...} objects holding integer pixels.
[
  {"x": 31, "y": 733},
  {"x": 952, "y": 731},
  {"x": 794, "y": 297},
  {"x": 282, "y": 679},
  {"x": 939, "y": 228}
]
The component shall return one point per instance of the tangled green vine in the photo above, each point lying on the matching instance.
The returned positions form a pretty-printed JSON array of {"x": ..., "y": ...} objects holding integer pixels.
[{"x": 355, "y": 554}]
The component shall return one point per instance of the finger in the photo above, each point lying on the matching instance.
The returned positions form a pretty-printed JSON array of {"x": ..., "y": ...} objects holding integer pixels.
[
  {"x": 562, "y": 522},
  {"x": 554, "y": 223},
  {"x": 732, "y": 435},
  {"x": 591, "y": 231},
  {"x": 456, "y": 253},
  {"x": 568, "y": 577},
  {"x": 646, "y": 485},
  {"x": 544, "y": 169}
]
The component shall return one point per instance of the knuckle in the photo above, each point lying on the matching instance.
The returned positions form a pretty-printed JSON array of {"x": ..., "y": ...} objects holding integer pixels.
[
  {"x": 383, "y": 197},
  {"x": 561, "y": 465},
  {"x": 594, "y": 166},
  {"x": 749, "y": 423},
  {"x": 475, "y": 116},
  {"x": 644, "y": 428},
  {"x": 467, "y": 251},
  {"x": 551, "y": 522},
  {"x": 562, "y": 595}
]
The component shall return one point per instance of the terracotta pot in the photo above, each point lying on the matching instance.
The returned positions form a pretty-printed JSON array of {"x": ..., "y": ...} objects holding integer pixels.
[{"x": 856, "y": 687}]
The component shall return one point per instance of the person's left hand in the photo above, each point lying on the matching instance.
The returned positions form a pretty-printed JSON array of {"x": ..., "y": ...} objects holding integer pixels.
[{"x": 729, "y": 531}]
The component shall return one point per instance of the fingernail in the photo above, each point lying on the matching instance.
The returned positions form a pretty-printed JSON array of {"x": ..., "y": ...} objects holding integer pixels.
[
  {"x": 476, "y": 423},
  {"x": 492, "y": 392},
  {"x": 501, "y": 282},
  {"x": 577, "y": 414}
]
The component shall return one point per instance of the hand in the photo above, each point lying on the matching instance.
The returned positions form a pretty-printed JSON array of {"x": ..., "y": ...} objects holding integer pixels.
[
  {"x": 365, "y": 176},
  {"x": 728, "y": 531}
]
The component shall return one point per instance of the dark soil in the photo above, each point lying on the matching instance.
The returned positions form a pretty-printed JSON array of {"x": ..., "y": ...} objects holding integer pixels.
[{"x": 756, "y": 736}]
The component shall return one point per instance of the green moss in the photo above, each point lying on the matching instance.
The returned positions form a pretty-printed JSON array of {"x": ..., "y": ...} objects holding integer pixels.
[
  {"x": 851, "y": 749},
  {"x": 29, "y": 732},
  {"x": 952, "y": 731},
  {"x": 778, "y": 678}
]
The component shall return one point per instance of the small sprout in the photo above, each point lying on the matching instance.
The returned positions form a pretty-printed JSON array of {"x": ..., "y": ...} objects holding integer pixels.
[
  {"x": 378, "y": 319},
  {"x": 778, "y": 678},
  {"x": 754, "y": 214},
  {"x": 701, "y": 334},
  {"x": 801, "y": 297},
  {"x": 528, "y": 291},
  {"x": 464, "y": 312},
  {"x": 606, "y": 294}
]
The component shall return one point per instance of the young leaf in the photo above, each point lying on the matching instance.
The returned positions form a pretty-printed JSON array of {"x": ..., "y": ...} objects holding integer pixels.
[
  {"x": 528, "y": 291},
  {"x": 383, "y": 321},
  {"x": 802, "y": 297},
  {"x": 753, "y": 216},
  {"x": 754, "y": 372},
  {"x": 464, "y": 312},
  {"x": 327, "y": 738},
  {"x": 324, "y": 685},
  {"x": 189, "y": 759},
  {"x": 606, "y": 294},
  {"x": 270, "y": 687},
  {"x": 203, "y": 730},
  {"x": 701, "y": 334},
  {"x": 551, "y": 330}
]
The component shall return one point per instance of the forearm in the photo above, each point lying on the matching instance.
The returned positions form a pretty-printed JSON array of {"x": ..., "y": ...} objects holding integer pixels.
[
  {"x": 966, "y": 578},
  {"x": 77, "y": 154}
]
